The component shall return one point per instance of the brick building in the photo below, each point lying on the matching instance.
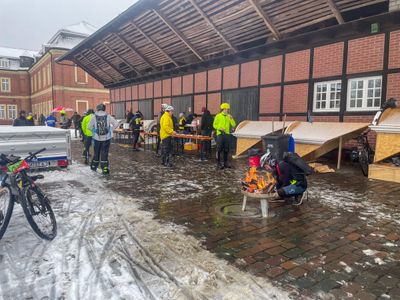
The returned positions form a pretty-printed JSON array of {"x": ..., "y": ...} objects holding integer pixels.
[
  {"x": 34, "y": 81},
  {"x": 336, "y": 61}
]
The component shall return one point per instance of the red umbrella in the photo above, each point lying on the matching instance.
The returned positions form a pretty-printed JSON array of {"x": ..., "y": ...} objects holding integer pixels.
[{"x": 62, "y": 108}]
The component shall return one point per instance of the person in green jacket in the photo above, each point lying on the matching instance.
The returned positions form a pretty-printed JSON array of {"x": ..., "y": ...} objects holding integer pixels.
[
  {"x": 223, "y": 124},
  {"x": 87, "y": 134}
]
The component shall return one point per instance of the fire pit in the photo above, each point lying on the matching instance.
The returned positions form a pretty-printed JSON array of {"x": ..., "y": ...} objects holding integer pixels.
[{"x": 258, "y": 186}]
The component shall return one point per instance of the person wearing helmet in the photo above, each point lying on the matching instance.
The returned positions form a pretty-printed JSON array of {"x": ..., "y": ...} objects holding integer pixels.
[
  {"x": 223, "y": 124},
  {"x": 102, "y": 125},
  {"x": 135, "y": 124},
  {"x": 291, "y": 180},
  {"x": 166, "y": 133},
  {"x": 163, "y": 107},
  {"x": 87, "y": 135}
]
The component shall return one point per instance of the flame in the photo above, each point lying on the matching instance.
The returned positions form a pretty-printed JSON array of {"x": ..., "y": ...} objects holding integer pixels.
[{"x": 254, "y": 182}]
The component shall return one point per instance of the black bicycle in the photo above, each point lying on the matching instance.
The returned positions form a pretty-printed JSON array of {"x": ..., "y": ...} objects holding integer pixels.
[
  {"x": 17, "y": 186},
  {"x": 364, "y": 153}
]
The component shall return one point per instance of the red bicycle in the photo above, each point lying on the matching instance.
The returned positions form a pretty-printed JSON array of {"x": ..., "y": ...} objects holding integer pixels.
[{"x": 17, "y": 186}]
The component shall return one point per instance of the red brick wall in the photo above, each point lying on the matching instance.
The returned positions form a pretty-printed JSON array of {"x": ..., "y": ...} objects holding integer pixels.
[
  {"x": 199, "y": 102},
  {"x": 149, "y": 90},
  {"x": 142, "y": 91},
  {"x": 176, "y": 86},
  {"x": 271, "y": 70},
  {"x": 231, "y": 77},
  {"x": 394, "y": 50},
  {"x": 358, "y": 119},
  {"x": 157, "y": 89},
  {"x": 270, "y": 99},
  {"x": 214, "y": 102},
  {"x": 200, "y": 82},
  {"x": 328, "y": 60},
  {"x": 249, "y": 74},
  {"x": 128, "y": 93},
  {"x": 366, "y": 54},
  {"x": 188, "y": 84},
  {"x": 295, "y": 98},
  {"x": 297, "y": 65},
  {"x": 157, "y": 106},
  {"x": 393, "y": 86},
  {"x": 135, "y": 92},
  {"x": 325, "y": 119},
  {"x": 166, "y": 87},
  {"x": 19, "y": 82},
  {"x": 214, "y": 79}
]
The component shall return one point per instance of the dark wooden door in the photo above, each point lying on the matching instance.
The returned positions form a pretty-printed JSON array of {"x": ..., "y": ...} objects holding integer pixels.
[
  {"x": 182, "y": 104},
  {"x": 244, "y": 103},
  {"x": 146, "y": 108}
]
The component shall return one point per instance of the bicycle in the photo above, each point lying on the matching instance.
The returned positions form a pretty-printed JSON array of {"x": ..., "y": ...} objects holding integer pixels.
[
  {"x": 17, "y": 186},
  {"x": 364, "y": 153}
]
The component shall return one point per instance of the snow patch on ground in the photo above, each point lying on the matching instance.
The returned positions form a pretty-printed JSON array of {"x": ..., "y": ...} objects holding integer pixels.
[
  {"x": 107, "y": 248},
  {"x": 346, "y": 267}
]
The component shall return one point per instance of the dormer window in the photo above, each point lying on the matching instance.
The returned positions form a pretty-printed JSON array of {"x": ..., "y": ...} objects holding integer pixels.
[{"x": 4, "y": 63}]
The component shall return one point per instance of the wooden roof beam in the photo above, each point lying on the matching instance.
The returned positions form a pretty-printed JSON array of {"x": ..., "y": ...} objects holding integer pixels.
[
  {"x": 132, "y": 48},
  {"x": 154, "y": 43},
  {"x": 213, "y": 26},
  {"x": 335, "y": 10},
  {"x": 178, "y": 33},
  {"x": 76, "y": 59},
  {"x": 121, "y": 58},
  {"x": 107, "y": 62},
  {"x": 271, "y": 27}
]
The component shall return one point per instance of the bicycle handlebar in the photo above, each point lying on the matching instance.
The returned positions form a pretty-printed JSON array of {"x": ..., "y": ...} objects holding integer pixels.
[
  {"x": 33, "y": 155},
  {"x": 4, "y": 159}
]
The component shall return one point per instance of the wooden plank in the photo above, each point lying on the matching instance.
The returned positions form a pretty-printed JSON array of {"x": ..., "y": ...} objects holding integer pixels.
[
  {"x": 339, "y": 160},
  {"x": 257, "y": 7},
  {"x": 335, "y": 11},
  {"x": 386, "y": 172},
  {"x": 211, "y": 23},
  {"x": 387, "y": 145},
  {"x": 134, "y": 50},
  {"x": 107, "y": 62},
  {"x": 305, "y": 149},
  {"x": 178, "y": 33},
  {"x": 244, "y": 144},
  {"x": 120, "y": 57},
  {"x": 154, "y": 44}
]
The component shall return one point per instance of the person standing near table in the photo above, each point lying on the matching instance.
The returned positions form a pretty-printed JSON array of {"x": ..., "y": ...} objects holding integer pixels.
[
  {"x": 160, "y": 114},
  {"x": 166, "y": 133},
  {"x": 102, "y": 125},
  {"x": 135, "y": 124},
  {"x": 223, "y": 124},
  {"x": 206, "y": 128}
]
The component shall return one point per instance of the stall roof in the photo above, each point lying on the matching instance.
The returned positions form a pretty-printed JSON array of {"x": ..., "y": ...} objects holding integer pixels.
[{"x": 153, "y": 36}]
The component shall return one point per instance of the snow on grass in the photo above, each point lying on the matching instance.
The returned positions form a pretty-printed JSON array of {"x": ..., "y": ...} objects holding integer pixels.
[{"x": 107, "y": 248}]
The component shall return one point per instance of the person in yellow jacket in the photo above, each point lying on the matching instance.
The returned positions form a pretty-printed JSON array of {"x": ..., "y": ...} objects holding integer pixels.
[
  {"x": 166, "y": 133},
  {"x": 87, "y": 135},
  {"x": 223, "y": 124}
]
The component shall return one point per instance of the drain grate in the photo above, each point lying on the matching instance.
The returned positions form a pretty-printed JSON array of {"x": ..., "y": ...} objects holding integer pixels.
[{"x": 235, "y": 211}]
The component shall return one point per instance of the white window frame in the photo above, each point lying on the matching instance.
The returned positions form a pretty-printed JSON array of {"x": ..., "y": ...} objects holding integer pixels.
[
  {"x": 5, "y": 63},
  {"x": 328, "y": 96},
  {"x": 81, "y": 101},
  {"x": 14, "y": 108},
  {"x": 3, "y": 111},
  {"x": 364, "y": 94},
  {"x": 76, "y": 76},
  {"x": 9, "y": 84}
]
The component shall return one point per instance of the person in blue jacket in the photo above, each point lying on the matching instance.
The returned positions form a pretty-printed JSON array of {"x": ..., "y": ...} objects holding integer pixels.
[{"x": 51, "y": 120}]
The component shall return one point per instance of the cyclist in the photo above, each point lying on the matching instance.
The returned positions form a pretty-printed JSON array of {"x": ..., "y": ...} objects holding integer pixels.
[{"x": 100, "y": 124}]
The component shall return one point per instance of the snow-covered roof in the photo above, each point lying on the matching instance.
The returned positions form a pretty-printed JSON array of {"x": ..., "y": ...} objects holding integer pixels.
[
  {"x": 6, "y": 52},
  {"x": 83, "y": 28}
]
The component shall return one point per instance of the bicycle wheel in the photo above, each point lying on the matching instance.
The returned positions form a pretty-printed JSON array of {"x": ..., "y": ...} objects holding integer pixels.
[
  {"x": 364, "y": 161},
  {"x": 39, "y": 213},
  {"x": 6, "y": 208}
]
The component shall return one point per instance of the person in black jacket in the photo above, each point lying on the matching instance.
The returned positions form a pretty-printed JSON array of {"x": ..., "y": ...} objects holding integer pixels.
[
  {"x": 21, "y": 120},
  {"x": 135, "y": 124},
  {"x": 291, "y": 180},
  {"x": 206, "y": 129}
]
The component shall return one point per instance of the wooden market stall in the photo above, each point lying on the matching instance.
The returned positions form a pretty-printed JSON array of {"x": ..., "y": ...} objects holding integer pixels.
[
  {"x": 316, "y": 139},
  {"x": 249, "y": 133},
  {"x": 387, "y": 145}
]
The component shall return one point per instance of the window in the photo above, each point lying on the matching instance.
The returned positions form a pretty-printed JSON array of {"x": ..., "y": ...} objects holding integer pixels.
[
  {"x": 2, "y": 111},
  {"x": 4, "y": 63},
  {"x": 12, "y": 111},
  {"x": 39, "y": 80},
  {"x": 5, "y": 85},
  {"x": 364, "y": 93},
  {"x": 327, "y": 95}
]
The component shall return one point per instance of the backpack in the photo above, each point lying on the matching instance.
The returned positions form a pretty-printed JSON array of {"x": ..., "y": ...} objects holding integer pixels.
[
  {"x": 296, "y": 160},
  {"x": 101, "y": 125}
]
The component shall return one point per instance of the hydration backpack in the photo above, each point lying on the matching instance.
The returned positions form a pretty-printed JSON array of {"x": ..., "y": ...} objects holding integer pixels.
[
  {"x": 296, "y": 160},
  {"x": 101, "y": 125}
]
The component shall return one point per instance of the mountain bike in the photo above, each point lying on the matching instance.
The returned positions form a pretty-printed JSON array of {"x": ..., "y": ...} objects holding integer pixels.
[
  {"x": 364, "y": 153},
  {"x": 17, "y": 186}
]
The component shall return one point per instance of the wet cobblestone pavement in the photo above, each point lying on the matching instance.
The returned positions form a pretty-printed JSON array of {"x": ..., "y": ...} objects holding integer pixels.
[{"x": 344, "y": 240}]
